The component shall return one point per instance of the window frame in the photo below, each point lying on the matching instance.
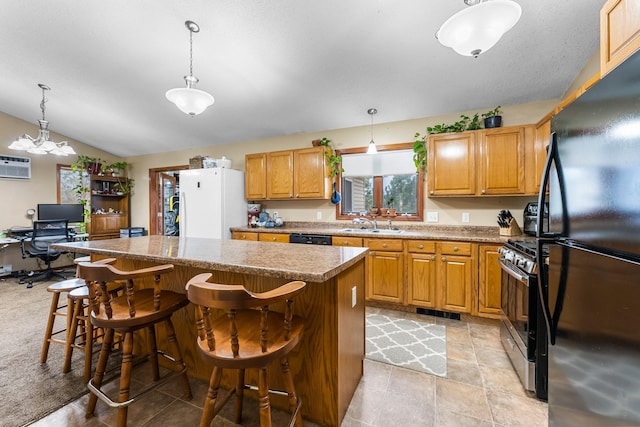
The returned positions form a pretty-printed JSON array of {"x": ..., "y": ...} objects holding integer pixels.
[{"x": 377, "y": 196}]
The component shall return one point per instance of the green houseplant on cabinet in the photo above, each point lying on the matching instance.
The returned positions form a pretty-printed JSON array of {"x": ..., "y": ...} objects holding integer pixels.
[{"x": 492, "y": 118}]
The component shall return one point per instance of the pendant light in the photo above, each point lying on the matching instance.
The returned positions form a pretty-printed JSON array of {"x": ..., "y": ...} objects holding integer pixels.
[
  {"x": 478, "y": 28},
  {"x": 188, "y": 99},
  {"x": 372, "y": 145},
  {"x": 42, "y": 144}
]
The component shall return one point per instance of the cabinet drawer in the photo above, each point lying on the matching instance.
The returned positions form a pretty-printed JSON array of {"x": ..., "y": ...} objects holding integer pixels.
[
  {"x": 421, "y": 246},
  {"x": 238, "y": 235},
  {"x": 384, "y": 244},
  {"x": 269, "y": 237},
  {"x": 455, "y": 248},
  {"x": 347, "y": 241}
]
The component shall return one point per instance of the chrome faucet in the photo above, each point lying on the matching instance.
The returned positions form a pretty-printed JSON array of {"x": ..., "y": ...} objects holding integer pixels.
[{"x": 374, "y": 223}]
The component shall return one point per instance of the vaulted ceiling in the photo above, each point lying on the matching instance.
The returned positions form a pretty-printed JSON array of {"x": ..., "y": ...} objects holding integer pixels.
[{"x": 274, "y": 67}]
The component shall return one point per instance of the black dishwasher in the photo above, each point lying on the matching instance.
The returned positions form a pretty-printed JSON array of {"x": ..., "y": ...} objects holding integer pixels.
[{"x": 310, "y": 239}]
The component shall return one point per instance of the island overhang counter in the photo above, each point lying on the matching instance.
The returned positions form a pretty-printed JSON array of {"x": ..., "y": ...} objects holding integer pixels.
[{"x": 328, "y": 362}]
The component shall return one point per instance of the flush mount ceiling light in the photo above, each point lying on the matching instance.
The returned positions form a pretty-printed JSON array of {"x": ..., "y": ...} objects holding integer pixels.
[
  {"x": 478, "y": 28},
  {"x": 188, "y": 99},
  {"x": 42, "y": 144},
  {"x": 372, "y": 145}
]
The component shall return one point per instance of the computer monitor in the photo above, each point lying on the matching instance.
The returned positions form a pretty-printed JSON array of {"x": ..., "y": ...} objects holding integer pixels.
[{"x": 71, "y": 212}]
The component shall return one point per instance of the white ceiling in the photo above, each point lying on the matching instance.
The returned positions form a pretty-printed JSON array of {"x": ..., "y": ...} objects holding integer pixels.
[{"x": 274, "y": 67}]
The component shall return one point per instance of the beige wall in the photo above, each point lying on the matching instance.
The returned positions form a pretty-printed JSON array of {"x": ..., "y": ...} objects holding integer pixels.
[{"x": 482, "y": 211}]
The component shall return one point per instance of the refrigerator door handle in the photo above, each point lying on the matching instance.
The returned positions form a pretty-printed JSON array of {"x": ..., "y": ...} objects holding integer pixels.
[
  {"x": 552, "y": 320},
  {"x": 552, "y": 158},
  {"x": 183, "y": 212}
]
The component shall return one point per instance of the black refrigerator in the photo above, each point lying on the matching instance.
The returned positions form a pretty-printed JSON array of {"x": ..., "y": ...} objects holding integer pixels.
[{"x": 589, "y": 286}]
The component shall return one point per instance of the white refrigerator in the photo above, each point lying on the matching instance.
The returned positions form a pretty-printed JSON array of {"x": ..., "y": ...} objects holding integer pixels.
[{"x": 211, "y": 201}]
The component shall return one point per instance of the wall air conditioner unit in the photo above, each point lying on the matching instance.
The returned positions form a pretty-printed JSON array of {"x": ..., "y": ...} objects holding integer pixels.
[{"x": 15, "y": 167}]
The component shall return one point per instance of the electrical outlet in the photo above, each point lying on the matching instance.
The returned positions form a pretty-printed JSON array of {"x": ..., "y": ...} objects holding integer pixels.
[
  {"x": 275, "y": 214},
  {"x": 432, "y": 216},
  {"x": 319, "y": 215},
  {"x": 465, "y": 216},
  {"x": 353, "y": 297}
]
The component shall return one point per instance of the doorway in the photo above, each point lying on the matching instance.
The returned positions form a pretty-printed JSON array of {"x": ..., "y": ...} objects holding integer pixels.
[{"x": 164, "y": 201}]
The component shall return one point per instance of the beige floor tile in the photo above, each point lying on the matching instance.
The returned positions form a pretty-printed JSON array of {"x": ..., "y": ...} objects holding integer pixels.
[
  {"x": 515, "y": 411},
  {"x": 366, "y": 405},
  {"x": 492, "y": 357},
  {"x": 462, "y": 352},
  {"x": 504, "y": 380},
  {"x": 463, "y": 399},
  {"x": 451, "y": 419},
  {"x": 398, "y": 410},
  {"x": 464, "y": 372},
  {"x": 68, "y": 416},
  {"x": 458, "y": 336},
  {"x": 412, "y": 384},
  {"x": 486, "y": 341},
  {"x": 376, "y": 375}
]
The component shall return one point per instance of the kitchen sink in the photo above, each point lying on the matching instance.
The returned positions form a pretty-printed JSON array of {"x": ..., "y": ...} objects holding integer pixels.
[{"x": 371, "y": 231}]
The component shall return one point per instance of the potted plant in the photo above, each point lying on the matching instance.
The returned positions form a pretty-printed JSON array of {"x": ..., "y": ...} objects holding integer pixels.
[
  {"x": 92, "y": 165},
  {"x": 113, "y": 169},
  {"x": 392, "y": 210},
  {"x": 124, "y": 186},
  {"x": 374, "y": 210},
  {"x": 420, "y": 152},
  {"x": 322, "y": 142},
  {"x": 492, "y": 118}
]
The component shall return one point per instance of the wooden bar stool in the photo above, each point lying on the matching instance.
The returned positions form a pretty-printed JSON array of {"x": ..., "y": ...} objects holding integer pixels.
[
  {"x": 136, "y": 309},
  {"x": 82, "y": 335},
  {"x": 245, "y": 338}
]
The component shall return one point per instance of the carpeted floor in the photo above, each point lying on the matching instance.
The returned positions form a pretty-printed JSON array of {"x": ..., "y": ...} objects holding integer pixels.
[
  {"x": 28, "y": 389},
  {"x": 407, "y": 343}
]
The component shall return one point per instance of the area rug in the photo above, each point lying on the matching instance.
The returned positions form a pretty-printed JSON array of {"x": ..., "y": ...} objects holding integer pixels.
[
  {"x": 30, "y": 390},
  {"x": 407, "y": 343}
]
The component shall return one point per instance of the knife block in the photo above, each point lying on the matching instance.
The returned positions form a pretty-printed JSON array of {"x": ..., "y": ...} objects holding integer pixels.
[{"x": 512, "y": 230}]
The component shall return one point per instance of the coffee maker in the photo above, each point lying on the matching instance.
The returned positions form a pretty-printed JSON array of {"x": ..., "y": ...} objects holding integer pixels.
[{"x": 530, "y": 218}]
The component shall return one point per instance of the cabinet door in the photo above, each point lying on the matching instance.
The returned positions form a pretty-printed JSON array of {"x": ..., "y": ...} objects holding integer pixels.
[
  {"x": 542, "y": 139},
  {"x": 489, "y": 288},
  {"x": 103, "y": 224},
  {"x": 501, "y": 161},
  {"x": 421, "y": 278},
  {"x": 384, "y": 276},
  {"x": 619, "y": 32},
  {"x": 255, "y": 176},
  {"x": 455, "y": 283},
  {"x": 355, "y": 242},
  {"x": 280, "y": 175},
  {"x": 311, "y": 180},
  {"x": 451, "y": 164}
]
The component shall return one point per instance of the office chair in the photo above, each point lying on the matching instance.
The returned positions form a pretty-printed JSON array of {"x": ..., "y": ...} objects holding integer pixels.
[{"x": 44, "y": 233}]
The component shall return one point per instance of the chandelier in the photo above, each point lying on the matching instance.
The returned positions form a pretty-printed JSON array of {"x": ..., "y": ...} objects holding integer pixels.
[
  {"x": 188, "y": 99},
  {"x": 42, "y": 144},
  {"x": 478, "y": 28}
]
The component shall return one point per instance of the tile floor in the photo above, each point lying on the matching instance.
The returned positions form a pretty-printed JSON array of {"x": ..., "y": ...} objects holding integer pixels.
[{"x": 481, "y": 389}]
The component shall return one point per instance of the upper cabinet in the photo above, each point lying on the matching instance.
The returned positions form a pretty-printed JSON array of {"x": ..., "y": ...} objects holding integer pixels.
[
  {"x": 288, "y": 174},
  {"x": 619, "y": 32},
  {"x": 488, "y": 162}
]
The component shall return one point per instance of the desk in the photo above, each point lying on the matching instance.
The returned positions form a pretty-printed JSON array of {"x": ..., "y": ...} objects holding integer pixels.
[{"x": 327, "y": 364}]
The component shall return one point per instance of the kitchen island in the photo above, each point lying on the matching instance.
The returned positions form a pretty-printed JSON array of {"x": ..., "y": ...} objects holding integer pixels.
[{"x": 327, "y": 364}]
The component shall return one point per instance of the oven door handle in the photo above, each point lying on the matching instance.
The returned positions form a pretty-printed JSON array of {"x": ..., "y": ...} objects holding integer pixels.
[{"x": 513, "y": 272}]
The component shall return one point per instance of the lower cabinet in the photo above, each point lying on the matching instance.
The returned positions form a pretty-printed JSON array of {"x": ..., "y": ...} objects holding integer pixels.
[
  {"x": 489, "y": 281},
  {"x": 263, "y": 237},
  {"x": 385, "y": 270},
  {"x": 355, "y": 242},
  {"x": 440, "y": 275}
]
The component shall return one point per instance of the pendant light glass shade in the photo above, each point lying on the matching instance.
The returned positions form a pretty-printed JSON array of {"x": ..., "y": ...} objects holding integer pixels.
[
  {"x": 42, "y": 144},
  {"x": 478, "y": 28},
  {"x": 188, "y": 99},
  {"x": 372, "y": 149}
]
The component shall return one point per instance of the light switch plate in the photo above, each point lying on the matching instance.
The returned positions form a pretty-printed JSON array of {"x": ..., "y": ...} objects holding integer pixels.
[
  {"x": 353, "y": 296},
  {"x": 319, "y": 215},
  {"x": 465, "y": 216},
  {"x": 432, "y": 216}
]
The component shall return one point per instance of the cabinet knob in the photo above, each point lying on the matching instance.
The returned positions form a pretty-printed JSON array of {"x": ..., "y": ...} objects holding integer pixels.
[
  {"x": 444, "y": 259},
  {"x": 420, "y": 246},
  {"x": 345, "y": 243},
  {"x": 484, "y": 191},
  {"x": 433, "y": 257},
  {"x": 456, "y": 249},
  {"x": 431, "y": 192},
  {"x": 273, "y": 238},
  {"x": 384, "y": 245}
]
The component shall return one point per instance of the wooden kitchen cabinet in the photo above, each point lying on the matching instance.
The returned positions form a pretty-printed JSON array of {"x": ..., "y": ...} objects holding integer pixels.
[
  {"x": 501, "y": 161},
  {"x": 537, "y": 156},
  {"x": 422, "y": 273},
  {"x": 105, "y": 198},
  {"x": 488, "y": 162},
  {"x": 385, "y": 270},
  {"x": 619, "y": 32},
  {"x": 355, "y": 242},
  {"x": 451, "y": 164},
  {"x": 489, "y": 281},
  {"x": 255, "y": 176},
  {"x": 455, "y": 276},
  {"x": 242, "y": 235},
  {"x": 273, "y": 237},
  {"x": 287, "y": 175}
]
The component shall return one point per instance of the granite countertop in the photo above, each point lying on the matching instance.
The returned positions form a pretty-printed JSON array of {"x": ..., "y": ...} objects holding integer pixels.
[
  {"x": 300, "y": 262},
  {"x": 476, "y": 234}
]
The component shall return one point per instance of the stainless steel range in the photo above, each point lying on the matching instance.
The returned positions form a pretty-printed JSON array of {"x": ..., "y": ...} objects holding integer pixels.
[{"x": 522, "y": 328}]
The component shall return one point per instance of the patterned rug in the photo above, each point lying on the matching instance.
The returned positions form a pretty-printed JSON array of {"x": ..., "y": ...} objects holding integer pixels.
[{"x": 407, "y": 343}]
